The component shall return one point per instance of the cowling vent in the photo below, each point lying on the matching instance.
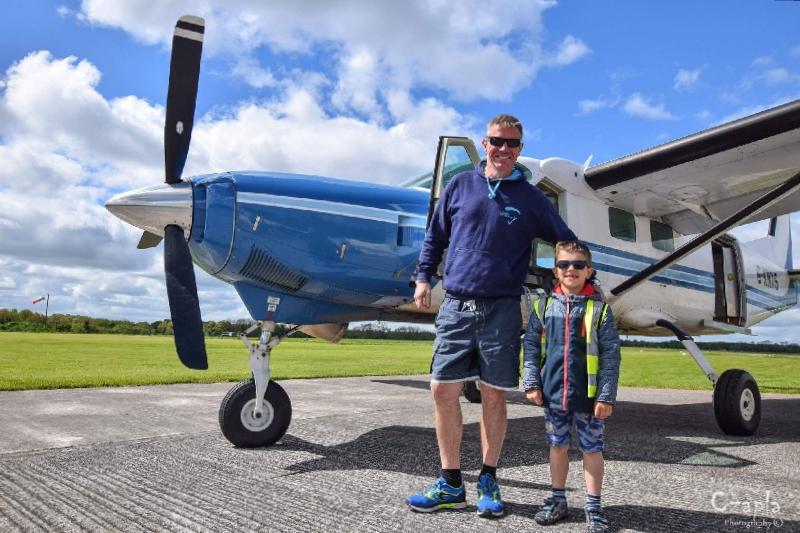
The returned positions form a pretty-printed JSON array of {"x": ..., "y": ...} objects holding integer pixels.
[{"x": 262, "y": 267}]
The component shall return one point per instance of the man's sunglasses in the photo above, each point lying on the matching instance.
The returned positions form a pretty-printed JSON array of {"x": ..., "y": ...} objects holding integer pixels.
[
  {"x": 500, "y": 141},
  {"x": 577, "y": 265}
]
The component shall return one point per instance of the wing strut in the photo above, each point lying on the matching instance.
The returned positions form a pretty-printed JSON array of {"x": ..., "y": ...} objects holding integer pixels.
[{"x": 709, "y": 235}]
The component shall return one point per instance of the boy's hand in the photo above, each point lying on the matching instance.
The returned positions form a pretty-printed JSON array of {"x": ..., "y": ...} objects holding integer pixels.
[
  {"x": 602, "y": 410},
  {"x": 534, "y": 396}
]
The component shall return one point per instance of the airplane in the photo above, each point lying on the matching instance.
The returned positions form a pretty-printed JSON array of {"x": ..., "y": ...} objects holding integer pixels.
[{"x": 317, "y": 253}]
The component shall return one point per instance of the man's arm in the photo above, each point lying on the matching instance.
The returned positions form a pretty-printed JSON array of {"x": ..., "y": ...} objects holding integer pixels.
[
  {"x": 436, "y": 240},
  {"x": 553, "y": 229}
]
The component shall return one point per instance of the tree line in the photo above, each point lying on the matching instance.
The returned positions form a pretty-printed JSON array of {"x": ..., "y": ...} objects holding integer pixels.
[
  {"x": 30, "y": 321},
  {"x": 26, "y": 320}
]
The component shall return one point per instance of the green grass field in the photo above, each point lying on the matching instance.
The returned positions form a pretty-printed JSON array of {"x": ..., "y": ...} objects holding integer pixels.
[{"x": 52, "y": 360}]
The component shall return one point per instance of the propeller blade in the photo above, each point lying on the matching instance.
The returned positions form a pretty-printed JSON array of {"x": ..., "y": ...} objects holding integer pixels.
[
  {"x": 184, "y": 306},
  {"x": 184, "y": 72},
  {"x": 148, "y": 240}
]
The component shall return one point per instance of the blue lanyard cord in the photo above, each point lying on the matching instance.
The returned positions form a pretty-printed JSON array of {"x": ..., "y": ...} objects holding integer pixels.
[{"x": 493, "y": 190}]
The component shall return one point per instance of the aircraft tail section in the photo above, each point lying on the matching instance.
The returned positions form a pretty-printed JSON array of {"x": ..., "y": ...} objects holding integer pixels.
[{"x": 777, "y": 244}]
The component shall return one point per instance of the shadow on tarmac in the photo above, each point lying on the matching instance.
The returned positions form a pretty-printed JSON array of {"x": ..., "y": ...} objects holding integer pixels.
[{"x": 684, "y": 434}]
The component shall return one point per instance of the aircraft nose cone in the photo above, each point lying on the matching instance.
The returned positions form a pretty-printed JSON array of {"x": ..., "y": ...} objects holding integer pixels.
[{"x": 152, "y": 208}]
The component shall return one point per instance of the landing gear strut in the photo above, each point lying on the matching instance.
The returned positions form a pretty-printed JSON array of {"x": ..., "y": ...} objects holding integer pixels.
[
  {"x": 257, "y": 411},
  {"x": 737, "y": 400}
]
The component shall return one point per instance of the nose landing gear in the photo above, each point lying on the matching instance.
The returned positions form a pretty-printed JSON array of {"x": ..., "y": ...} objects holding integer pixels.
[{"x": 257, "y": 411}]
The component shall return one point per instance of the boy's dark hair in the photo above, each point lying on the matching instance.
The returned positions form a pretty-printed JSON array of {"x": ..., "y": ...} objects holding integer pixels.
[{"x": 573, "y": 247}]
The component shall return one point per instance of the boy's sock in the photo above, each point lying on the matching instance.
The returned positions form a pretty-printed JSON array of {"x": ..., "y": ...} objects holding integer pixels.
[
  {"x": 491, "y": 470},
  {"x": 452, "y": 476},
  {"x": 558, "y": 494},
  {"x": 592, "y": 502}
]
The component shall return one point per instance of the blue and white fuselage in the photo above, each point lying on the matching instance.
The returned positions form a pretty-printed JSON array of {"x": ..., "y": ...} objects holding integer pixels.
[{"x": 305, "y": 249}]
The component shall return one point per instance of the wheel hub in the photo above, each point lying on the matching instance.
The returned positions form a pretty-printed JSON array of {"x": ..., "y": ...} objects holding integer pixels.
[
  {"x": 254, "y": 423},
  {"x": 747, "y": 404}
]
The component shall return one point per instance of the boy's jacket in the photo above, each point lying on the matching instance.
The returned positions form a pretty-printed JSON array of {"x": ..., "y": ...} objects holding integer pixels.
[{"x": 564, "y": 368}]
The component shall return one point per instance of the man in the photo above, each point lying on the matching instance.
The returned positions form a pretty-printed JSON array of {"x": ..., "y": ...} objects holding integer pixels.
[{"x": 487, "y": 219}]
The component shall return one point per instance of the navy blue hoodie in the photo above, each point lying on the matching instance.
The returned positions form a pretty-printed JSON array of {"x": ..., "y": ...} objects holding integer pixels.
[{"x": 488, "y": 240}]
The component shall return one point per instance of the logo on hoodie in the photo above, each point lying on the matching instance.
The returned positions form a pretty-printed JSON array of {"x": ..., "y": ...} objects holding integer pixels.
[{"x": 511, "y": 214}]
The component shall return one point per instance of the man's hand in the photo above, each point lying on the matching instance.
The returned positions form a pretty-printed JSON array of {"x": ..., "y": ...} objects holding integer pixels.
[
  {"x": 422, "y": 295},
  {"x": 535, "y": 396},
  {"x": 602, "y": 410}
]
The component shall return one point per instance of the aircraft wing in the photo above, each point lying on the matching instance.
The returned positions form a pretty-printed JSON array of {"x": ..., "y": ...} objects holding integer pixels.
[{"x": 694, "y": 182}]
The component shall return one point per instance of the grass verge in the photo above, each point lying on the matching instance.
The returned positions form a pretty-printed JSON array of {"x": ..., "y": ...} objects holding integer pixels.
[{"x": 53, "y": 360}]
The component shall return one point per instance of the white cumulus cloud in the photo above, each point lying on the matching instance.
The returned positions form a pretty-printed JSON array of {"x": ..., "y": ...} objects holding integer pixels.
[
  {"x": 397, "y": 45},
  {"x": 686, "y": 79},
  {"x": 641, "y": 107}
]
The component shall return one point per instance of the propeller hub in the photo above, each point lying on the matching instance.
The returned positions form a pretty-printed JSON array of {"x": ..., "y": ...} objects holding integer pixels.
[{"x": 155, "y": 207}]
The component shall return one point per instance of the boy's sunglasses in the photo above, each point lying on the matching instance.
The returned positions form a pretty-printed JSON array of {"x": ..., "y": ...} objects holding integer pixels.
[
  {"x": 500, "y": 141},
  {"x": 577, "y": 265}
]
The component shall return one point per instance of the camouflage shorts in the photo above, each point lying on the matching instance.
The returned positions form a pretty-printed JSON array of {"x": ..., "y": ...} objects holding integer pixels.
[{"x": 558, "y": 426}]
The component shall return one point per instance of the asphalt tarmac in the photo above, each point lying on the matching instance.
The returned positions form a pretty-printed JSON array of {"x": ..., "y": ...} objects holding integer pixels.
[{"x": 153, "y": 459}]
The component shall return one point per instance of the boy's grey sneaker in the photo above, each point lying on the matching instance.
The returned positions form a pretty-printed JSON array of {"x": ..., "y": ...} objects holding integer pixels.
[
  {"x": 553, "y": 510},
  {"x": 595, "y": 521},
  {"x": 489, "y": 501}
]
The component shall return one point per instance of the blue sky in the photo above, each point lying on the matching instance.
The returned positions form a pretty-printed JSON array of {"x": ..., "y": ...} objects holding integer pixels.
[{"x": 353, "y": 89}]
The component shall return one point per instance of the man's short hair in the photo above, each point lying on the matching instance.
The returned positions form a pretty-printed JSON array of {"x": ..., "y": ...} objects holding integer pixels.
[
  {"x": 573, "y": 247},
  {"x": 506, "y": 121}
]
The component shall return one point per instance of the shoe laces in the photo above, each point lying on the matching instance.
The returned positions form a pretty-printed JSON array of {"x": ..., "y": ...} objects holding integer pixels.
[
  {"x": 549, "y": 504},
  {"x": 436, "y": 489},
  {"x": 596, "y": 516},
  {"x": 489, "y": 485}
]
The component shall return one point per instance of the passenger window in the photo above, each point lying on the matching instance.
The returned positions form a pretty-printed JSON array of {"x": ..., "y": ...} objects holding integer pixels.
[
  {"x": 621, "y": 224},
  {"x": 661, "y": 236}
]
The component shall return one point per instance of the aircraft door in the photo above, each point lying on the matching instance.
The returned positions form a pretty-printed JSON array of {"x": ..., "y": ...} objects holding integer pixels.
[
  {"x": 454, "y": 155},
  {"x": 728, "y": 282},
  {"x": 542, "y": 261},
  {"x": 731, "y": 284}
]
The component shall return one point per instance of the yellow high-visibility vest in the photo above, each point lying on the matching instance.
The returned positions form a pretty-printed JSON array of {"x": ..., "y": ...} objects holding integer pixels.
[{"x": 592, "y": 318}]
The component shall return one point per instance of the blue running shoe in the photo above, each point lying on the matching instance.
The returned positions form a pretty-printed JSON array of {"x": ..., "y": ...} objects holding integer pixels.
[
  {"x": 440, "y": 495},
  {"x": 489, "y": 501}
]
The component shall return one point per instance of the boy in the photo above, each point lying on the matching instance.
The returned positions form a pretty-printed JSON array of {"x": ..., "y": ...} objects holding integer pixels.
[{"x": 571, "y": 366}]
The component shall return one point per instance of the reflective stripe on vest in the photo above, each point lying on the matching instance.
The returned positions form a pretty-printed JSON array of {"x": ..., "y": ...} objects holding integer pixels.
[
  {"x": 592, "y": 318},
  {"x": 540, "y": 315}
]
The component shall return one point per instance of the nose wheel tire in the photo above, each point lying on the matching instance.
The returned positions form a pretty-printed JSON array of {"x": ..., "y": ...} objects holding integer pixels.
[
  {"x": 239, "y": 422},
  {"x": 737, "y": 403}
]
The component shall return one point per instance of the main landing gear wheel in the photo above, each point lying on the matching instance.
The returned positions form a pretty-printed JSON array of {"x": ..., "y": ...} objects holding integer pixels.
[
  {"x": 471, "y": 392},
  {"x": 737, "y": 403},
  {"x": 242, "y": 427}
]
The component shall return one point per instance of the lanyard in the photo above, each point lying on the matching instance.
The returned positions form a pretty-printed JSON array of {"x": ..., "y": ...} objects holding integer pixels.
[{"x": 493, "y": 190}]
